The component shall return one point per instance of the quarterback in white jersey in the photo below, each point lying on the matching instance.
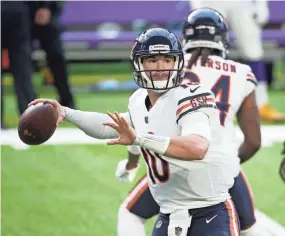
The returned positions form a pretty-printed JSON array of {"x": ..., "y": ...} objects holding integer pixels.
[
  {"x": 180, "y": 184},
  {"x": 177, "y": 127},
  {"x": 233, "y": 84}
]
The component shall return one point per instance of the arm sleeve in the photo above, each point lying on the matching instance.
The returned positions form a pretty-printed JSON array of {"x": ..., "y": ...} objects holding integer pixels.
[
  {"x": 203, "y": 101},
  {"x": 196, "y": 123},
  {"x": 261, "y": 9},
  {"x": 195, "y": 111},
  {"x": 250, "y": 83},
  {"x": 91, "y": 123}
]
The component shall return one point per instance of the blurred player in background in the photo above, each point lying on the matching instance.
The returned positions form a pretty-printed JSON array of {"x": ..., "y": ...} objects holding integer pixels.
[
  {"x": 246, "y": 19},
  {"x": 45, "y": 26},
  {"x": 205, "y": 45},
  {"x": 179, "y": 132},
  {"x": 16, "y": 38}
]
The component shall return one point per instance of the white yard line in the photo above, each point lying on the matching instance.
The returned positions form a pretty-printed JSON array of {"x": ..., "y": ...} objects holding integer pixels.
[
  {"x": 270, "y": 225},
  {"x": 270, "y": 135},
  {"x": 61, "y": 136}
]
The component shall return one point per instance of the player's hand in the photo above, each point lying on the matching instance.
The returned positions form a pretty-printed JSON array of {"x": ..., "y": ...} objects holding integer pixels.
[
  {"x": 122, "y": 126},
  {"x": 43, "y": 16},
  {"x": 54, "y": 103},
  {"x": 261, "y": 12},
  {"x": 124, "y": 174}
]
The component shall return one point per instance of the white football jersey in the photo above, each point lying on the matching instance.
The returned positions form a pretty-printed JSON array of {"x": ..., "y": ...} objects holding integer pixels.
[
  {"x": 177, "y": 184},
  {"x": 231, "y": 82}
]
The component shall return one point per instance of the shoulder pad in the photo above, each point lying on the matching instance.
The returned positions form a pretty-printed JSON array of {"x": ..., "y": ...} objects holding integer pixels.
[{"x": 191, "y": 98}]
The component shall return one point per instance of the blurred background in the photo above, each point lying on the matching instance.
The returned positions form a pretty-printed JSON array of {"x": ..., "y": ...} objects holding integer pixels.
[
  {"x": 78, "y": 52},
  {"x": 95, "y": 39}
]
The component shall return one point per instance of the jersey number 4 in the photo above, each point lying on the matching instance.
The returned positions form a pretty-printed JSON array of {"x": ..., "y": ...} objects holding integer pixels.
[
  {"x": 154, "y": 160},
  {"x": 221, "y": 89}
]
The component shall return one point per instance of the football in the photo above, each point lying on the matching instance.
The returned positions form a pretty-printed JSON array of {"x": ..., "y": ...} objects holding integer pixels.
[{"x": 37, "y": 124}]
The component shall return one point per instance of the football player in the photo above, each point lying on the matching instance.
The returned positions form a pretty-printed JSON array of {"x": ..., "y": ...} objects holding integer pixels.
[
  {"x": 178, "y": 130},
  {"x": 205, "y": 44},
  {"x": 246, "y": 19}
]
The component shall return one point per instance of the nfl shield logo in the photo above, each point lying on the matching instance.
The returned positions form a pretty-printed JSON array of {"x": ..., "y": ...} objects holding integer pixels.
[
  {"x": 178, "y": 231},
  {"x": 146, "y": 119}
]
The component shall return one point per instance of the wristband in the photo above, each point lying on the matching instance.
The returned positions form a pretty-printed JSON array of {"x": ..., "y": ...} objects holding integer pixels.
[{"x": 155, "y": 143}]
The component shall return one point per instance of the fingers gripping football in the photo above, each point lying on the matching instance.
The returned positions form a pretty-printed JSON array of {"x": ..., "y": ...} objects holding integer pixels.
[{"x": 54, "y": 103}]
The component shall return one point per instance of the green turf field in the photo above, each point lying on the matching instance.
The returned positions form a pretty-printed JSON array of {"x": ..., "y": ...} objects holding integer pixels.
[
  {"x": 64, "y": 190},
  {"x": 70, "y": 190}
]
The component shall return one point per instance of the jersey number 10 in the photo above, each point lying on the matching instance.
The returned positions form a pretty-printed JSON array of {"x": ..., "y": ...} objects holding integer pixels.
[
  {"x": 221, "y": 89},
  {"x": 153, "y": 160}
]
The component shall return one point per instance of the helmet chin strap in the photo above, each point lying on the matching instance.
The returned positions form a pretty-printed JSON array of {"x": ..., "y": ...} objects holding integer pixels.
[
  {"x": 158, "y": 91},
  {"x": 159, "y": 84}
]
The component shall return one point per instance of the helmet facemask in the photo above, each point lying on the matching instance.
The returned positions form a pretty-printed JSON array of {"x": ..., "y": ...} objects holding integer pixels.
[{"x": 174, "y": 75}]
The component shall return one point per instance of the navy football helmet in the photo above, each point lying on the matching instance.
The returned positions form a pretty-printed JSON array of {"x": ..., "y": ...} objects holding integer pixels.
[
  {"x": 153, "y": 42},
  {"x": 205, "y": 28}
]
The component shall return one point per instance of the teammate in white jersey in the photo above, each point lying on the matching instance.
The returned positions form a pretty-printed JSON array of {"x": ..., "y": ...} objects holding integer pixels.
[
  {"x": 246, "y": 19},
  {"x": 189, "y": 173},
  {"x": 233, "y": 84}
]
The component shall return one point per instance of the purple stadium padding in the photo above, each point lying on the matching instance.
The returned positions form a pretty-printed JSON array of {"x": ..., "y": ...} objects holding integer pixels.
[
  {"x": 82, "y": 12},
  {"x": 122, "y": 12},
  {"x": 277, "y": 11},
  {"x": 93, "y": 38}
]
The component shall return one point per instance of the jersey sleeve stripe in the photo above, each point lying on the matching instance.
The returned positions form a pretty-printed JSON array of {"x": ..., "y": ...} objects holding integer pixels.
[
  {"x": 195, "y": 109},
  {"x": 184, "y": 107},
  {"x": 250, "y": 75},
  {"x": 210, "y": 100},
  {"x": 193, "y": 97},
  {"x": 188, "y": 105},
  {"x": 252, "y": 81}
]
